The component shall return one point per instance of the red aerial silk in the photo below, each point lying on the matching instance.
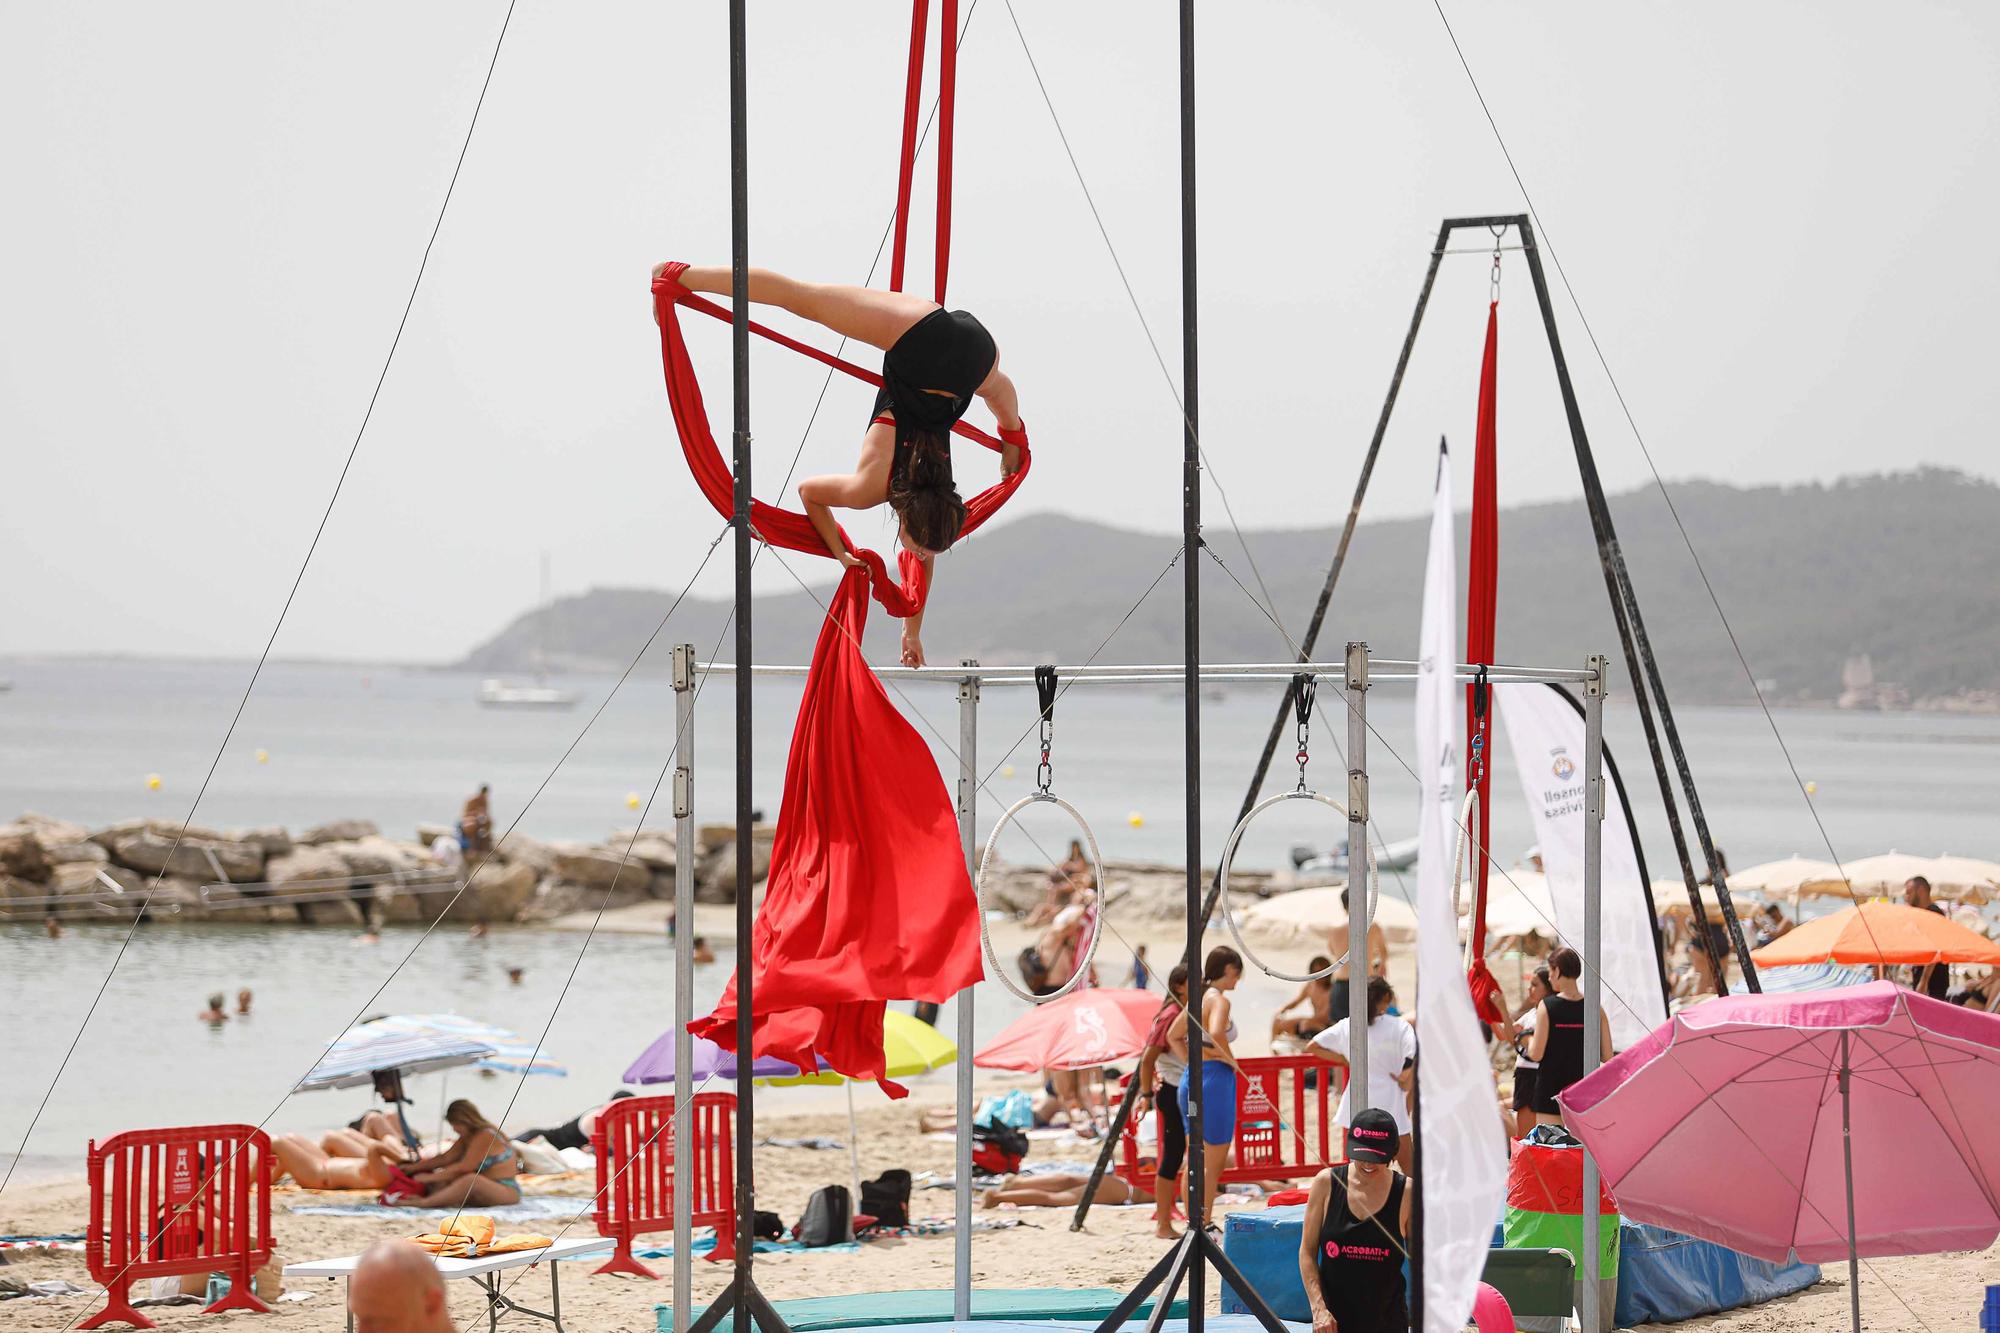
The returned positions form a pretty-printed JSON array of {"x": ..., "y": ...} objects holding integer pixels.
[
  {"x": 902, "y": 595},
  {"x": 1481, "y": 599},
  {"x": 869, "y": 899}
]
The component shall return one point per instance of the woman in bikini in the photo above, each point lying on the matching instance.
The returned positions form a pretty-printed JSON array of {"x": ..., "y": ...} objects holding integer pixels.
[
  {"x": 935, "y": 362},
  {"x": 478, "y": 1169}
]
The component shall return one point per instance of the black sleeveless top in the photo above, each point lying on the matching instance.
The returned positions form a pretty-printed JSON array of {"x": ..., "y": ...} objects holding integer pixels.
[
  {"x": 1562, "y": 1059},
  {"x": 948, "y": 351},
  {"x": 1360, "y": 1261}
]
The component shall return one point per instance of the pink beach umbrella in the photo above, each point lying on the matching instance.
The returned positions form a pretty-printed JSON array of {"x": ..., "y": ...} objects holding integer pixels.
[
  {"x": 1082, "y": 1030},
  {"x": 1848, "y": 1122}
]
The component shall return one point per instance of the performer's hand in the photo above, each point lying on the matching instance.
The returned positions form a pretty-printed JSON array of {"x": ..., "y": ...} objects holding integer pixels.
[
  {"x": 913, "y": 650},
  {"x": 848, "y": 560},
  {"x": 1324, "y": 1322},
  {"x": 1010, "y": 460}
]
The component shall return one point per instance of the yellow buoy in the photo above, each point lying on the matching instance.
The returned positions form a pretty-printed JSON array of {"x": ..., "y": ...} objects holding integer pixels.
[
  {"x": 152, "y": 782},
  {"x": 263, "y": 756},
  {"x": 1811, "y": 787},
  {"x": 1007, "y": 771},
  {"x": 1136, "y": 820},
  {"x": 632, "y": 800}
]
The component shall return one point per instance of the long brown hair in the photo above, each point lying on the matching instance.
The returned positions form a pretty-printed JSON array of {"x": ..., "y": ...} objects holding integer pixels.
[
  {"x": 465, "y": 1117},
  {"x": 922, "y": 492}
]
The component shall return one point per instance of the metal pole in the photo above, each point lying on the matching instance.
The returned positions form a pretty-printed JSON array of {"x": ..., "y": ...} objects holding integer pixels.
[
  {"x": 1593, "y": 953},
  {"x": 1357, "y": 864},
  {"x": 1645, "y": 671},
  {"x": 1191, "y": 645},
  {"x": 739, "y": 342},
  {"x": 684, "y": 840},
  {"x": 968, "y": 834},
  {"x": 1847, "y": 1162}
]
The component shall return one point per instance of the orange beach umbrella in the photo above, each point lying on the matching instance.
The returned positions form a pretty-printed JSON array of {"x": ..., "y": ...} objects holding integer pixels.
[{"x": 1879, "y": 934}]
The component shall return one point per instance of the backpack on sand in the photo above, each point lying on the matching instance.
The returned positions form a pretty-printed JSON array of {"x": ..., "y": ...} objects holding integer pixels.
[
  {"x": 887, "y": 1199},
  {"x": 828, "y": 1218}
]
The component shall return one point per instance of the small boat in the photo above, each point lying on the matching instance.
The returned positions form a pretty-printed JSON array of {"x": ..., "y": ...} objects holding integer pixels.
[
  {"x": 1398, "y": 855},
  {"x": 500, "y": 694}
]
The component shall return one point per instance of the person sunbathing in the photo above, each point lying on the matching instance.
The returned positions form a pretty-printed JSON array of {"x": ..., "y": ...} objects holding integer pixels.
[
  {"x": 479, "y": 1168},
  {"x": 313, "y": 1167},
  {"x": 1064, "y": 1191}
]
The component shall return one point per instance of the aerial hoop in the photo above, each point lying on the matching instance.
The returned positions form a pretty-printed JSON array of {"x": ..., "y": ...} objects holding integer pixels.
[
  {"x": 985, "y": 924},
  {"x": 1466, "y": 810},
  {"x": 1046, "y": 693},
  {"x": 1229, "y": 859}
]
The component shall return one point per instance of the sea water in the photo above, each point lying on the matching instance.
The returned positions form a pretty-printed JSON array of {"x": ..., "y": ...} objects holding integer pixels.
[{"x": 78, "y": 739}]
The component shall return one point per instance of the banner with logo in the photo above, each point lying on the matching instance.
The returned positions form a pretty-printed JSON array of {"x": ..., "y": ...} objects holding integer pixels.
[
  {"x": 1464, "y": 1146},
  {"x": 1544, "y": 728}
]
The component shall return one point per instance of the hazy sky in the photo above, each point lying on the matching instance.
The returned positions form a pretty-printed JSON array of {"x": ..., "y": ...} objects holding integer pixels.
[{"x": 1775, "y": 214}]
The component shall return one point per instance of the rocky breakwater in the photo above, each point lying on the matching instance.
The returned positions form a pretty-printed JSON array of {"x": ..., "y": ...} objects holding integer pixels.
[{"x": 345, "y": 873}]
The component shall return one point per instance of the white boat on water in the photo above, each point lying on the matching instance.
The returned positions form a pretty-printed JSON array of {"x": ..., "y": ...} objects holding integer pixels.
[
  {"x": 500, "y": 694},
  {"x": 1398, "y": 855}
]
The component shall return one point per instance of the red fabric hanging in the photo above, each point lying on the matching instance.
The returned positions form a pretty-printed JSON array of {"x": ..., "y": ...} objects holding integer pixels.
[
  {"x": 869, "y": 899},
  {"x": 902, "y": 595},
  {"x": 1481, "y": 600}
]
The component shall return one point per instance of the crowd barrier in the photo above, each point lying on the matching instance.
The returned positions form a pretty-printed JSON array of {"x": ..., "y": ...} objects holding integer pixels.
[
  {"x": 168, "y": 1202},
  {"x": 1284, "y": 1122},
  {"x": 635, "y": 1174}
]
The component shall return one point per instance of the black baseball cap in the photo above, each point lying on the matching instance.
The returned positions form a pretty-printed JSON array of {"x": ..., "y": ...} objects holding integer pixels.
[{"x": 1373, "y": 1137}]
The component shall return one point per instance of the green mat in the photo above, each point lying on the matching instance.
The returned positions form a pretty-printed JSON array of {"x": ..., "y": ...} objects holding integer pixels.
[{"x": 867, "y": 1309}]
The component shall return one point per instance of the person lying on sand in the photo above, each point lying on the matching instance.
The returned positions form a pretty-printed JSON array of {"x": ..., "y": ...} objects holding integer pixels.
[
  {"x": 577, "y": 1132},
  {"x": 313, "y": 1166},
  {"x": 479, "y": 1168},
  {"x": 1063, "y": 1191}
]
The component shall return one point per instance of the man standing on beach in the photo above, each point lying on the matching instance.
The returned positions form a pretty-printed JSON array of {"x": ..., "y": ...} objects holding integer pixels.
[
  {"x": 1336, "y": 944},
  {"x": 475, "y": 823},
  {"x": 396, "y": 1288},
  {"x": 1933, "y": 979}
]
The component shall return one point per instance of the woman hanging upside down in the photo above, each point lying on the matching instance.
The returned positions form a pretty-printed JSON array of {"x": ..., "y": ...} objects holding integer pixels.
[{"x": 935, "y": 362}]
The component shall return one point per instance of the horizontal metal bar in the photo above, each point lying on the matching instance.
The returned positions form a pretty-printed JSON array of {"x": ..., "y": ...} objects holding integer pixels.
[{"x": 1388, "y": 670}]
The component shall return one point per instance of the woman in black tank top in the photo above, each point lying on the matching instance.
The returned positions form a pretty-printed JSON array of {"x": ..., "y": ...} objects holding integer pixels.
[
  {"x": 935, "y": 362},
  {"x": 1353, "y": 1245},
  {"x": 1557, "y": 1042}
]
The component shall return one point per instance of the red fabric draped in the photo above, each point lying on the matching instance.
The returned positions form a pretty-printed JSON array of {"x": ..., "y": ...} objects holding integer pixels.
[
  {"x": 1481, "y": 599},
  {"x": 901, "y": 595},
  {"x": 869, "y": 899}
]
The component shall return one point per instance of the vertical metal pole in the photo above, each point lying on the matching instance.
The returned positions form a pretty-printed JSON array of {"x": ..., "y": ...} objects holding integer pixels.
[
  {"x": 1847, "y": 1162},
  {"x": 1357, "y": 879},
  {"x": 684, "y": 840},
  {"x": 739, "y": 341},
  {"x": 1191, "y": 648},
  {"x": 968, "y": 833},
  {"x": 1593, "y": 955}
]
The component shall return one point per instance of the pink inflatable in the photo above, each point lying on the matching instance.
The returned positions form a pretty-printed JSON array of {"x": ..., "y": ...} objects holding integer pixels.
[{"x": 1490, "y": 1312}]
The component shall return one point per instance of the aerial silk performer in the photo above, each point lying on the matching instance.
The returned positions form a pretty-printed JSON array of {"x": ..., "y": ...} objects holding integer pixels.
[
  {"x": 1482, "y": 596},
  {"x": 869, "y": 899}
]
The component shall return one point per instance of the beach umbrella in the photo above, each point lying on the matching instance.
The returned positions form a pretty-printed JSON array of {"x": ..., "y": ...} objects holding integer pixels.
[
  {"x": 512, "y": 1054},
  {"x": 1841, "y": 1123},
  {"x": 1879, "y": 934},
  {"x": 359, "y": 1055},
  {"x": 1518, "y": 904},
  {"x": 1082, "y": 1030},
  {"x": 1950, "y": 876},
  {"x": 656, "y": 1063},
  {"x": 1310, "y": 913},
  {"x": 1786, "y": 876}
]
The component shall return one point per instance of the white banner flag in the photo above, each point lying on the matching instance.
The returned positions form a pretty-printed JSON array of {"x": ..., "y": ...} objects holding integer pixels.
[
  {"x": 1545, "y": 731},
  {"x": 1458, "y": 1120}
]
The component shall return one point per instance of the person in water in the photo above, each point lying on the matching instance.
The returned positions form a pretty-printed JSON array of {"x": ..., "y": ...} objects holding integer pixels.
[
  {"x": 1352, "y": 1246},
  {"x": 479, "y": 1168},
  {"x": 935, "y": 362}
]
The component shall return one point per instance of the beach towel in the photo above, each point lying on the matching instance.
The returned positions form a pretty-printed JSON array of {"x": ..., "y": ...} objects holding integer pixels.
[
  {"x": 868, "y": 898},
  {"x": 534, "y": 1208}
]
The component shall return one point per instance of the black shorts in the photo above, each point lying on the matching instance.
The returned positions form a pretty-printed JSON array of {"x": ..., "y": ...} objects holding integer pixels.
[
  {"x": 1524, "y": 1087},
  {"x": 1336, "y": 1009},
  {"x": 934, "y": 369}
]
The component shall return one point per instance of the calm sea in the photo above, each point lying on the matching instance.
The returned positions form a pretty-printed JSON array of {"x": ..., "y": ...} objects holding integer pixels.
[{"x": 78, "y": 739}]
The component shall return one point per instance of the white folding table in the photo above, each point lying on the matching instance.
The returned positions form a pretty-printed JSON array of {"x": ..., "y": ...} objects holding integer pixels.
[{"x": 484, "y": 1272}]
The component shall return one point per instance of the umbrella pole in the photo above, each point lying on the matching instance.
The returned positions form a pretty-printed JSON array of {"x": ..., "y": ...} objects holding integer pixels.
[
  {"x": 1847, "y": 1163},
  {"x": 853, "y": 1143}
]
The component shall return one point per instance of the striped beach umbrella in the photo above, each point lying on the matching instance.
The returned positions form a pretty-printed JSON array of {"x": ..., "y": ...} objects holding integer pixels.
[
  {"x": 355, "y": 1059},
  {"x": 510, "y": 1052}
]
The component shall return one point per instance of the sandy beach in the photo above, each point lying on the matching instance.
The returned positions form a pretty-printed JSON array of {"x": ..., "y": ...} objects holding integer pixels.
[{"x": 1932, "y": 1293}]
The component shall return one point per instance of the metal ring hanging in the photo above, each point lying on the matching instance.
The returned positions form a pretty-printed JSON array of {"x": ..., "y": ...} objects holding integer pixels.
[
  {"x": 1229, "y": 858},
  {"x": 985, "y": 925},
  {"x": 1466, "y": 811}
]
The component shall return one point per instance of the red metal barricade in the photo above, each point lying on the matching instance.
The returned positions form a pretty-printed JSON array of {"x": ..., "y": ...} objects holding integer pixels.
[
  {"x": 167, "y": 1202},
  {"x": 1284, "y": 1128},
  {"x": 635, "y": 1174}
]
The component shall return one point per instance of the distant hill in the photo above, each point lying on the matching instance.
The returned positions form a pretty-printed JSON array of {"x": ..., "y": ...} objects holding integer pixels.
[{"x": 1904, "y": 568}]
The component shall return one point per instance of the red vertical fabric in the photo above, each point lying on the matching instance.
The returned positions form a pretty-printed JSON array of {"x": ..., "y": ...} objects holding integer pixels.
[
  {"x": 869, "y": 899},
  {"x": 906, "y": 162},
  {"x": 901, "y": 595},
  {"x": 947, "y": 117},
  {"x": 1481, "y": 601}
]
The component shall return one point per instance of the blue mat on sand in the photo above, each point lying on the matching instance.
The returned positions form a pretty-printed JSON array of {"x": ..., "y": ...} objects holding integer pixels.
[
  {"x": 997, "y": 1311},
  {"x": 539, "y": 1206}
]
